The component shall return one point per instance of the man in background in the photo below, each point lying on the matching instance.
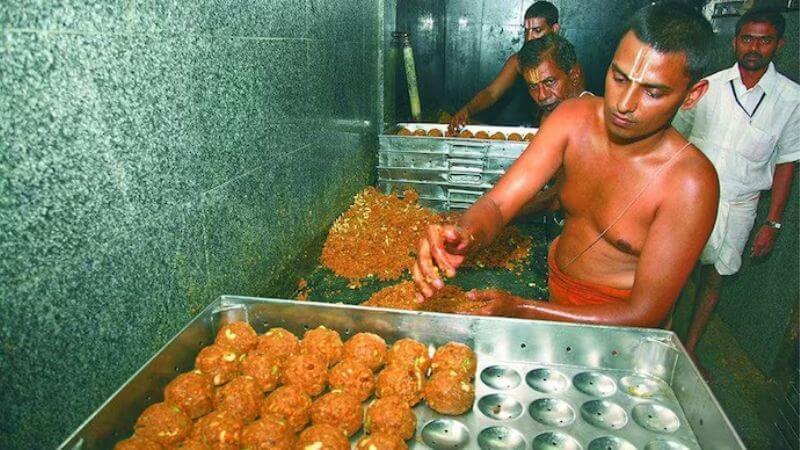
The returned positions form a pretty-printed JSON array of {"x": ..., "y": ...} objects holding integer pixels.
[
  {"x": 748, "y": 124},
  {"x": 541, "y": 19},
  {"x": 551, "y": 71}
]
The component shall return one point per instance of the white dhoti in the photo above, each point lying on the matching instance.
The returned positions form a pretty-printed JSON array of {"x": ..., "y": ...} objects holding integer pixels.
[{"x": 726, "y": 244}]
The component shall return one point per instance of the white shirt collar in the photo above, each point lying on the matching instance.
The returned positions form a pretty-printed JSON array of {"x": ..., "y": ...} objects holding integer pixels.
[{"x": 767, "y": 81}]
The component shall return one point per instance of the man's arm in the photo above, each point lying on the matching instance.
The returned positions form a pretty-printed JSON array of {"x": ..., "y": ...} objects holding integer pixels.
[
  {"x": 788, "y": 148},
  {"x": 781, "y": 186},
  {"x": 674, "y": 242},
  {"x": 444, "y": 247},
  {"x": 524, "y": 179},
  {"x": 489, "y": 95}
]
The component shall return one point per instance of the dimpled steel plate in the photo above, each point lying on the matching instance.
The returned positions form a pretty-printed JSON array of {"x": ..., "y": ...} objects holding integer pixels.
[{"x": 523, "y": 406}]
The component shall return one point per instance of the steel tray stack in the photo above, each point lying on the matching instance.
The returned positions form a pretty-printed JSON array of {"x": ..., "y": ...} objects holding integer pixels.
[
  {"x": 448, "y": 173},
  {"x": 540, "y": 385}
]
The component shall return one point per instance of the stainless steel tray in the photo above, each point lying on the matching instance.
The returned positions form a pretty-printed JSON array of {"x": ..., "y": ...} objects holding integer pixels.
[
  {"x": 447, "y": 172},
  {"x": 540, "y": 385}
]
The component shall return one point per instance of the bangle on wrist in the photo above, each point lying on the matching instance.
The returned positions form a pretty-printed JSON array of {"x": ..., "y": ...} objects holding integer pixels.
[{"x": 773, "y": 224}]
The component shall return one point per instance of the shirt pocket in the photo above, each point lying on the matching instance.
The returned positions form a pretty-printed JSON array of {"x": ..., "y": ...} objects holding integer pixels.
[
  {"x": 756, "y": 145},
  {"x": 752, "y": 160}
]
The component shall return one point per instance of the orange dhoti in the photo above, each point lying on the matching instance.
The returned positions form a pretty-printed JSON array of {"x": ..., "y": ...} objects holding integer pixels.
[{"x": 566, "y": 290}]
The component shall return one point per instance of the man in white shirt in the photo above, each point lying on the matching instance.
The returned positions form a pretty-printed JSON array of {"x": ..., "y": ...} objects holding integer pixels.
[{"x": 748, "y": 124}]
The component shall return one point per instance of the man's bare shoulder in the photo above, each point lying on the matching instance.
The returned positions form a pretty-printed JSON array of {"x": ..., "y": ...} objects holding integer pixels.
[
  {"x": 693, "y": 175},
  {"x": 577, "y": 112}
]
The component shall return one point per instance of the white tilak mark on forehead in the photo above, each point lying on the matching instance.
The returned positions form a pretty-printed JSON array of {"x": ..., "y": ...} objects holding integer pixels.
[{"x": 640, "y": 64}]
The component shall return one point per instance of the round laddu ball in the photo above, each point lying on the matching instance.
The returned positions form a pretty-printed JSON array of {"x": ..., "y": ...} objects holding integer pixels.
[
  {"x": 264, "y": 368},
  {"x": 368, "y": 348},
  {"x": 323, "y": 342},
  {"x": 192, "y": 392},
  {"x": 410, "y": 353},
  {"x": 498, "y": 136},
  {"x": 465, "y": 134},
  {"x": 192, "y": 444},
  {"x": 381, "y": 440},
  {"x": 278, "y": 343},
  {"x": 322, "y": 437},
  {"x": 392, "y": 415},
  {"x": 238, "y": 337},
  {"x": 289, "y": 403},
  {"x": 353, "y": 377},
  {"x": 268, "y": 433},
  {"x": 406, "y": 382},
  {"x": 481, "y": 135},
  {"x": 457, "y": 357},
  {"x": 164, "y": 424},
  {"x": 529, "y": 136},
  {"x": 218, "y": 364},
  {"x": 514, "y": 137},
  {"x": 219, "y": 430},
  {"x": 435, "y": 132},
  {"x": 308, "y": 372},
  {"x": 420, "y": 132},
  {"x": 137, "y": 443},
  {"x": 448, "y": 392},
  {"x": 339, "y": 409},
  {"x": 241, "y": 397},
  {"x": 404, "y": 132}
]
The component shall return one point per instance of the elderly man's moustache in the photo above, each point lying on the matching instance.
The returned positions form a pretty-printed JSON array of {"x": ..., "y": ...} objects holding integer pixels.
[{"x": 752, "y": 54}]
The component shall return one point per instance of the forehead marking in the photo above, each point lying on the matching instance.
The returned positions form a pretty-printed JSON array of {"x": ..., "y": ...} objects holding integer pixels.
[
  {"x": 535, "y": 76},
  {"x": 640, "y": 65}
]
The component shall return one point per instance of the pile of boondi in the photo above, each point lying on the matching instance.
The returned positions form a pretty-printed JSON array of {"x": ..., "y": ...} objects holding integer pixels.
[
  {"x": 378, "y": 236},
  {"x": 450, "y": 299}
]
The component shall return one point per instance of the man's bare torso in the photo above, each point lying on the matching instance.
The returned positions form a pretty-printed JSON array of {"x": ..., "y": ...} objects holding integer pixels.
[{"x": 599, "y": 181}]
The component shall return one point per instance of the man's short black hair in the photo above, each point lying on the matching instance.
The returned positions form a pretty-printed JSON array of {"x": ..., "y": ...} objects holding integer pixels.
[
  {"x": 767, "y": 15},
  {"x": 674, "y": 27},
  {"x": 553, "y": 46},
  {"x": 545, "y": 10}
]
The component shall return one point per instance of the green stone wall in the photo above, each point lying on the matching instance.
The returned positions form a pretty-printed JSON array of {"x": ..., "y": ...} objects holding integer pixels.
[{"x": 155, "y": 154}]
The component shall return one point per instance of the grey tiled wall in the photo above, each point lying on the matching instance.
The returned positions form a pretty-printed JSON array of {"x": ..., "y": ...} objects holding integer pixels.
[{"x": 155, "y": 154}]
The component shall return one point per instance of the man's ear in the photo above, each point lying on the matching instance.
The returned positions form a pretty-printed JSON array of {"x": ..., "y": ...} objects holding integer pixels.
[
  {"x": 556, "y": 28},
  {"x": 781, "y": 41},
  {"x": 576, "y": 74},
  {"x": 695, "y": 94}
]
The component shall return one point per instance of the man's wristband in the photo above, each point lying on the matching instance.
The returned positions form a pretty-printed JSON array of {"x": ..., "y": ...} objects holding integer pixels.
[{"x": 773, "y": 224}]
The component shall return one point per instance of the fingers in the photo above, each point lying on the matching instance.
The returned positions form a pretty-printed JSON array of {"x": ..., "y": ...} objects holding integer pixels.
[
  {"x": 455, "y": 125},
  {"x": 458, "y": 240},
  {"x": 422, "y": 281},
  {"x": 436, "y": 238},
  {"x": 424, "y": 290}
]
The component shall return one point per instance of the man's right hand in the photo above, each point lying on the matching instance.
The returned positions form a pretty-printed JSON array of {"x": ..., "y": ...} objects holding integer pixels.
[
  {"x": 443, "y": 249},
  {"x": 458, "y": 121}
]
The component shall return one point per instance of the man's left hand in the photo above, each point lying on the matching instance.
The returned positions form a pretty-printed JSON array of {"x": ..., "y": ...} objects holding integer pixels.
[
  {"x": 764, "y": 241},
  {"x": 498, "y": 303}
]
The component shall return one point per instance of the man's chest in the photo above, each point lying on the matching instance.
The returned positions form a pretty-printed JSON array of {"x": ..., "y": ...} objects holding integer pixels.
[{"x": 598, "y": 194}]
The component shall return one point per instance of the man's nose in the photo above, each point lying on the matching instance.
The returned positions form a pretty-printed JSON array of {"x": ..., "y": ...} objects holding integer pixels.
[
  {"x": 540, "y": 93},
  {"x": 628, "y": 101}
]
